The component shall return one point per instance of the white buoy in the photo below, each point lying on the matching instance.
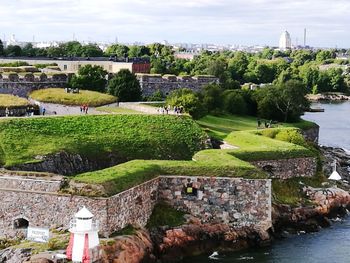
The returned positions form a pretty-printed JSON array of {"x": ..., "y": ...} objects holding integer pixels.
[
  {"x": 84, "y": 241},
  {"x": 335, "y": 175}
]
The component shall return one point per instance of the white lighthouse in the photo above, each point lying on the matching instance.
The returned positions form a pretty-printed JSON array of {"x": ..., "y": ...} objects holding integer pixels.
[{"x": 83, "y": 243}]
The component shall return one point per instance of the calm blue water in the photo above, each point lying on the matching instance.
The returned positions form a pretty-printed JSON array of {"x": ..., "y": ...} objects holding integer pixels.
[
  {"x": 331, "y": 245},
  {"x": 334, "y": 124}
]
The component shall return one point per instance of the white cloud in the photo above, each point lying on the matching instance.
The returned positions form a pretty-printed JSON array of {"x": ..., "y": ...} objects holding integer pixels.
[{"x": 228, "y": 21}]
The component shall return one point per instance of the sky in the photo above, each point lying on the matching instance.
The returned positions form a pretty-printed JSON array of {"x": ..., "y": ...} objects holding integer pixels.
[{"x": 244, "y": 22}]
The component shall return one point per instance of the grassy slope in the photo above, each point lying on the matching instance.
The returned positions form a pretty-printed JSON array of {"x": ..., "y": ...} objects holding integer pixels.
[
  {"x": 220, "y": 126},
  {"x": 129, "y": 136},
  {"x": 59, "y": 96},
  {"x": 12, "y": 101},
  {"x": 254, "y": 147}
]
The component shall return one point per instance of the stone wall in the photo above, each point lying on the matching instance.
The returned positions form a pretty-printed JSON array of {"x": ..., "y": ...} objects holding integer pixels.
[
  {"x": 31, "y": 184},
  {"x": 311, "y": 134},
  {"x": 42, "y": 206},
  {"x": 233, "y": 201},
  {"x": 44, "y": 209},
  {"x": 166, "y": 84},
  {"x": 288, "y": 168},
  {"x": 23, "y": 89},
  {"x": 133, "y": 206}
]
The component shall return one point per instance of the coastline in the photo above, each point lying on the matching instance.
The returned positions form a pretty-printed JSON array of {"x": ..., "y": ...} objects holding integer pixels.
[{"x": 328, "y": 97}]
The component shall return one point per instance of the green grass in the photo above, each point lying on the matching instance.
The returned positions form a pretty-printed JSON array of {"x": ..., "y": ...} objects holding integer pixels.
[
  {"x": 117, "y": 110},
  {"x": 59, "y": 96},
  {"x": 220, "y": 126},
  {"x": 206, "y": 163},
  {"x": 11, "y": 101},
  {"x": 290, "y": 191},
  {"x": 253, "y": 146},
  {"x": 127, "y": 136},
  {"x": 164, "y": 215}
]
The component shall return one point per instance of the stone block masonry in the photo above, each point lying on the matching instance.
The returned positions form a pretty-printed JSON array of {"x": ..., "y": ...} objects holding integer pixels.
[
  {"x": 232, "y": 201},
  {"x": 288, "y": 168}
]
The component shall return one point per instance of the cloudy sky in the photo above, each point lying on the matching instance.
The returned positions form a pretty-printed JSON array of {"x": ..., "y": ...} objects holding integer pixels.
[{"x": 197, "y": 21}]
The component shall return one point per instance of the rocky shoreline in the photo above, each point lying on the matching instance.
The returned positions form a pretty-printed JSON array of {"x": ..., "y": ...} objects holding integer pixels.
[{"x": 328, "y": 97}]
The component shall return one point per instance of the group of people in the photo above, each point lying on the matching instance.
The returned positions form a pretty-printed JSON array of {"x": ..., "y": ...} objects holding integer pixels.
[
  {"x": 267, "y": 124},
  {"x": 178, "y": 110},
  {"x": 84, "y": 108}
]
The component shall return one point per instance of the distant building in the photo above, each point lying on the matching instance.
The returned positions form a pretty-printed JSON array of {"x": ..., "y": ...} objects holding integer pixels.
[
  {"x": 72, "y": 65},
  {"x": 285, "y": 41}
]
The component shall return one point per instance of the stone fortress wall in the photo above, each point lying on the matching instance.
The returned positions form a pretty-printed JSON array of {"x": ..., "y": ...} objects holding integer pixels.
[
  {"x": 166, "y": 84},
  {"x": 227, "y": 200},
  {"x": 235, "y": 201},
  {"x": 23, "y": 83}
]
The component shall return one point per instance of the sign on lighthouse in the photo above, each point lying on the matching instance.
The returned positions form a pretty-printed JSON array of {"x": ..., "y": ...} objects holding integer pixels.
[{"x": 83, "y": 243}]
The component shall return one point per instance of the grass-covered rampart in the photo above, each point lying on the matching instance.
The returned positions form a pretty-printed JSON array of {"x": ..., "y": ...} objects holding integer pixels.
[
  {"x": 128, "y": 136},
  {"x": 11, "y": 101},
  {"x": 205, "y": 163},
  {"x": 59, "y": 96}
]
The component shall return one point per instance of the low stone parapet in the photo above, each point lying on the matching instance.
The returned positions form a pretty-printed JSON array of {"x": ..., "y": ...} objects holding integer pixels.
[{"x": 288, "y": 168}]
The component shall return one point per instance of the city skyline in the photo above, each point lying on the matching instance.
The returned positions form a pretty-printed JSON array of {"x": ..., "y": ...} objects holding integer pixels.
[{"x": 254, "y": 22}]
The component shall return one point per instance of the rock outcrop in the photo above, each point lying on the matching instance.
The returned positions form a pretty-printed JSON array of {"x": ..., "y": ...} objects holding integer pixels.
[
  {"x": 12, "y": 255},
  {"x": 128, "y": 249},
  {"x": 173, "y": 244},
  {"x": 342, "y": 159},
  {"x": 327, "y": 203},
  {"x": 65, "y": 163}
]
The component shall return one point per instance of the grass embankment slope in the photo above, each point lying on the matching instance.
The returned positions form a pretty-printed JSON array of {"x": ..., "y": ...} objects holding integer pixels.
[
  {"x": 60, "y": 96},
  {"x": 254, "y": 145},
  {"x": 128, "y": 136},
  {"x": 10, "y": 101},
  {"x": 221, "y": 126}
]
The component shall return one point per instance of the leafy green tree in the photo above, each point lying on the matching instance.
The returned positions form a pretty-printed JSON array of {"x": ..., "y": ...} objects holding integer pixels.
[
  {"x": 121, "y": 51},
  {"x": 90, "y": 78},
  {"x": 13, "y": 51},
  {"x": 238, "y": 65},
  {"x": 323, "y": 55},
  {"x": 1, "y": 48},
  {"x": 55, "y": 51},
  {"x": 91, "y": 50},
  {"x": 138, "y": 51},
  {"x": 212, "y": 97},
  {"x": 286, "y": 102},
  {"x": 71, "y": 49},
  {"x": 125, "y": 86},
  {"x": 234, "y": 102},
  {"x": 189, "y": 100}
]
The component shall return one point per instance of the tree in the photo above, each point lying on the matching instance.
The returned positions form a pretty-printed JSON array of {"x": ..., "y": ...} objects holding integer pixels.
[
  {"x": 90, "y": 50},
  {"x": 323, "y": 55},
  {"x": 90, "y": 78},
  {"x": 238, "y": 65},
  {"x": 1, "y": 48},
  {"x": 121, "y": 51},
  {"x": 138, "y": 51},
  {"x": 285, "y": 102},
  {"x": 13, "y": 51},
  {"x": 212, "y": 97},
  {"x": 234, "y": 102},
  {"x": 125, "y": 86},
  {"x": 189, "y": 100}
]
